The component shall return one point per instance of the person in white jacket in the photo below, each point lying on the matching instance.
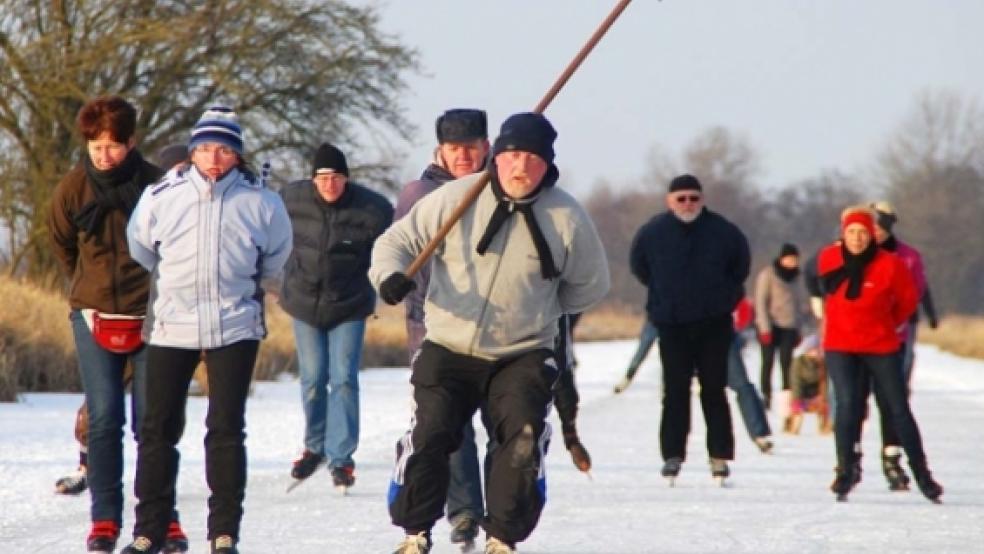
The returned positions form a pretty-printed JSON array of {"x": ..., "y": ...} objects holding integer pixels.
[{"x": 208, "y": 232}]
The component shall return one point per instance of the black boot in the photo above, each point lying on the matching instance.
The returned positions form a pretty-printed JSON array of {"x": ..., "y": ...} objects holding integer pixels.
[
  {"x": 924, "y": 480},
  {"x": 891, "y": 466},
  {"x": 846, "y": 476}
]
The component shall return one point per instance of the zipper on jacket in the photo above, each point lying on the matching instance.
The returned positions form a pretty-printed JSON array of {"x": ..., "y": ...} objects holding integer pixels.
[{"x": 113, "y": 248}]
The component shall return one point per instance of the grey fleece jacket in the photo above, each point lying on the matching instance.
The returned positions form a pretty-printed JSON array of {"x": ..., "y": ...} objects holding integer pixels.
[
  {"x": 497, "y": 305},
  {"x": 777, "y": 302}
]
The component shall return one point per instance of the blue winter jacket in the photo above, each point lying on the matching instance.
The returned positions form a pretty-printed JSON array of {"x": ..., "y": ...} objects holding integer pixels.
[{"x": 207, "y": 245}]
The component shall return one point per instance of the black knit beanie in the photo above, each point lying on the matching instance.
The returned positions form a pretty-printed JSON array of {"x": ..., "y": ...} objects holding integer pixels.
[
  {"x": 788, "y": 249},
  {"x": 329, "y": 157},
  {"x": 685, "y": 182},
  {"x": 528, "y": 132},
  {"x": 462, "y": 125},
  {"x": 886, "y": 221}
]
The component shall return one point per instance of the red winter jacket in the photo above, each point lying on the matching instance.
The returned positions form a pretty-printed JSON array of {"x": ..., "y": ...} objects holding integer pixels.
[{"x": 868, "y": 324}]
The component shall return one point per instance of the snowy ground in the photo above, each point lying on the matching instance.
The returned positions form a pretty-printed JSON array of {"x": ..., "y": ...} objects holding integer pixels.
[{"x": 777, "y": 503}]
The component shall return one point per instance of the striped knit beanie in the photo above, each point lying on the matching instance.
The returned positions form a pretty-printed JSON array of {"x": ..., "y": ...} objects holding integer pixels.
[{"x": 218, "y": 124}]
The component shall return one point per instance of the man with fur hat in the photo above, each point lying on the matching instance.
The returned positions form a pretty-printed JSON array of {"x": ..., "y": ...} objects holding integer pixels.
[
  {"x": 328, "y": 296},
  {"x": 521, "y": 256},
  {"x": 693, "y": 263}
]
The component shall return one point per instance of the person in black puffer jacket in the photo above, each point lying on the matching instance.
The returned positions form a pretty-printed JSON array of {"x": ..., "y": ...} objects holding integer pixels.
[
  {"x": 693, "y": 263},
  {"x": 327, "y": 293}
]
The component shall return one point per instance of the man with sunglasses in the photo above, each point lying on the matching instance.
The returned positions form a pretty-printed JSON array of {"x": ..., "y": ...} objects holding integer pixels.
[{"x": 693, "y": 262}]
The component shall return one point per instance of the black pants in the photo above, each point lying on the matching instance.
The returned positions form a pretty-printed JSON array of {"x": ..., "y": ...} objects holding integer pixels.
[
  {"x": 852, "y": 375},
  {"x": 890, "y": 436},
  {"x": 169, "y": 372},
  {"x": 447, "y": 390},
  {"x": 784, "y": 341},
  {"x": 700, "y": 347}
]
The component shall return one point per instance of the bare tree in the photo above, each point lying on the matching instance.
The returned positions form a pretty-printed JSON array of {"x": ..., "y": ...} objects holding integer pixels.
[{"x": 298, "y": 72}]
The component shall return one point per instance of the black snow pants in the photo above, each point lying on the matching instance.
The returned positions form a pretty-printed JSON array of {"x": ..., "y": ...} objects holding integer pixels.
[{"x": 447, "y": 390}]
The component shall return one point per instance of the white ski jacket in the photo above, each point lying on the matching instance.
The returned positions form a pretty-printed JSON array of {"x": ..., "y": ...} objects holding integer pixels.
[{"x": 207, "y": 245}]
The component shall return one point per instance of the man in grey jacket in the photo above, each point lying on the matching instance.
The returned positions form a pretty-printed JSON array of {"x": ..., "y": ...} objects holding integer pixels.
[{"x": 521, "y": 256}]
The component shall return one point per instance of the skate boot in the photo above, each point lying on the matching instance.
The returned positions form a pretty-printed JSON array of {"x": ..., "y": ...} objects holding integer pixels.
[
  {"x": 74, "y": 483},
  {"x": 464, "y": 531},
  {"x": 579, "y": 454},
  {"x": 671, "y": 468},
  {"x": 764, "y": 444},
  {"x": 924, "y": 480},
  {"x": 495, "y": 546},
  {"x": 306, "y": 465},
  {"x": 176, "y": 540},
  {"x": 419, "y": 543},
  {"x": 897, "y": 479},
  {"x": 223, "y": 544},
  {"x": 622, "y": 385},
  {"x": 719, "y": 470},
  {"x": 141, "y": 545},
  {"x": 845, "y": 477},
  {"x": 343, "y": 477},
  {"x": 102, "y": 537}
]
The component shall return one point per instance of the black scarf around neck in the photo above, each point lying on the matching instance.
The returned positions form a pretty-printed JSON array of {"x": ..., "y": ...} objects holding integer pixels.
[
  {"x": 506, "y": 207},
  {"x": 852, "y": 271},
  {"x": 785, "y": 273},
  {"x": 118, "y": 188}
]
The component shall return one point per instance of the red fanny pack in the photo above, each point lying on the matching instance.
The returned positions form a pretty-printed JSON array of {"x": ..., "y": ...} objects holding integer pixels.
[{"x": 119, "y": 334}]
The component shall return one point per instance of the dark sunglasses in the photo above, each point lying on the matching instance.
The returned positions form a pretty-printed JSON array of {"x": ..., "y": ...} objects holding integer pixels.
[{"x": 687, "y": 198}]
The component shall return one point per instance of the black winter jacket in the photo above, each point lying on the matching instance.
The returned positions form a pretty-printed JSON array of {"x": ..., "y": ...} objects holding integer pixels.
[
  {"x": 693, "y": 271},
  {"x": 325, "y": 279}
]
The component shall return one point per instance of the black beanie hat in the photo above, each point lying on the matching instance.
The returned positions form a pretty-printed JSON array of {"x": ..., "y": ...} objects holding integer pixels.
[
  {"x": 329, "y": 157},
  {"x": 788, "y": 249},
  {"x": 462, "y": 125},
  {"x": 528, "y": 132},
  {"x": 685, "y": 182},
  {"x": 886, "y": 220}
]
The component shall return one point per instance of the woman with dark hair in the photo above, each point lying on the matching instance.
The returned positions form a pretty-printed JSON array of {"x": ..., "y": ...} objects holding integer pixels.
[
  {"x": 870, "y": 293},
  {"x": 208, "y": 232},
  {"x": 108, "y": 296}
]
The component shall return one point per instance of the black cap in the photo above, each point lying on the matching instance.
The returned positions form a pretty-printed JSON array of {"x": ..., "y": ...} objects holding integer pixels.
[
  {"x": 462, "y": 125},
  {"x": 788, "y": 249},
  {"x": 685, "y": 182},
  {"x": 328, "y": 157},
  {"x": 529, "y": 132}
]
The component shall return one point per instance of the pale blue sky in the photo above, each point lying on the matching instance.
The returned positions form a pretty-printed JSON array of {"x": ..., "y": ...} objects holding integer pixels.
[{"x": 812, "y": 85}]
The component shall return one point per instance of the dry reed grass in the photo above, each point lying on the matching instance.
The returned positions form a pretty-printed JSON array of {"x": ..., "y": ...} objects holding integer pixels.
[{"x": 961, "y": 335}]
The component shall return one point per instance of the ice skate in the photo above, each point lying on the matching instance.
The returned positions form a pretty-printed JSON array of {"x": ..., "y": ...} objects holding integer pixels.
[
  {"x": 719, "y": 471},
  {"x": 495, "y": 546},
  {"x": 415, "y": 544},
  {"x": 463, "y": 533},
  {"x": 924, "y": 480},
  {"x": 671, "y": 468},
  {"x": 223, "y": 544},
  {"x": 343, "y": 477},
  {"x": 304, "y": 467},
  {"x": 844, "y": 481},
  {"x": 176, "y": 540},
  {"x": 74, "y": 483},
  {"x": 141, "y": 545},
  {"x": 764, "y": 444},
  {"x": 102, "y": 537},
  {"x": 892, "y": 467},
  {"x": 622, "y": 385}
]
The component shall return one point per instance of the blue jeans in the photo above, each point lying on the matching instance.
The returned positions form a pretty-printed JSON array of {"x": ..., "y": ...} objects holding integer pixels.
[
  {"x": 328, "y": 361},
  {"x": 647, "y": 336},
  {"x": 102, "y": 381},
  {"x": 752, "y": 411}
]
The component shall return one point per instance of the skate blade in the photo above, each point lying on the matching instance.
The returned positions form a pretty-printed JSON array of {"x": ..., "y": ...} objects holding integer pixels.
[
  {"x": 671, "y": 481},
  {"x": 936, "y": 500},
  {"x": 842, "y": 498},
  {"x": 295, "y": 484},
  {"x": 721, "y": 482},
  {"x": 342, "y": 490}
]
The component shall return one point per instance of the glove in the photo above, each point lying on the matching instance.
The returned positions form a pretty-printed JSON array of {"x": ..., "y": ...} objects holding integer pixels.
[
  {"x": 765, "y": 339},
  {"x": 395, "y": 288}
]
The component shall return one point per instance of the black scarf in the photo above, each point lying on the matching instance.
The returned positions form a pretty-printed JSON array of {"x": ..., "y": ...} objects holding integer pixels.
[
  {"x": 507, "y": 206},
  {"x": 852, "y": 271},
  {"x": 118, "y": 188},
  {"x": 890, "y": 244},
  {"x": 785, "y": 273}
]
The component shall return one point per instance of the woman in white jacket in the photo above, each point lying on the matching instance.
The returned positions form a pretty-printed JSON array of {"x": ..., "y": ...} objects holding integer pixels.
[{"x": 208, "y": 232}]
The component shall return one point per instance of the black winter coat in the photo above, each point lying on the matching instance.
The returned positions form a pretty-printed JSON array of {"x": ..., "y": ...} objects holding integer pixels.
[
  {"x": 325, "y": 279},
  {"x": 693, "y": 271}
]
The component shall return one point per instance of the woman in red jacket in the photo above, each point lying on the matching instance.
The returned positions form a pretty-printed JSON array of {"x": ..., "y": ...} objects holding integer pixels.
[{"x": 869, "y": 293}]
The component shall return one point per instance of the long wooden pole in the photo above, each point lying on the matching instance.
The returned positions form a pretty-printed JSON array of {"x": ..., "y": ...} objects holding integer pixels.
[{"x": 483, "y": 180}]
